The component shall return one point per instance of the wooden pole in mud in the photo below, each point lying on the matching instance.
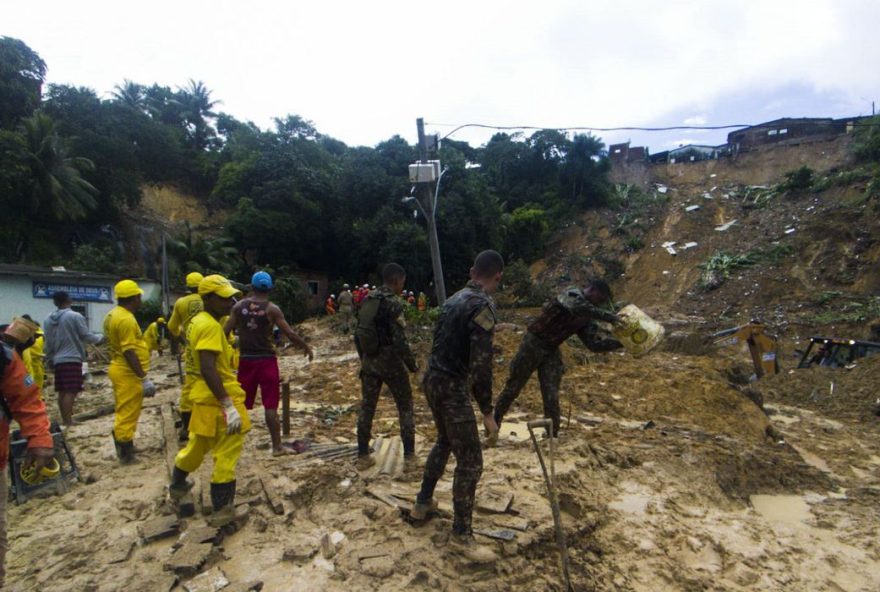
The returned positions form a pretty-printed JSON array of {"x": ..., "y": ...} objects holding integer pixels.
[{"x": 285, "y": 407}]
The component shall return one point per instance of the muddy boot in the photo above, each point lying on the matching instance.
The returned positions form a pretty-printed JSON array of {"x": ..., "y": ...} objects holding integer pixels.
[
  {"x": 116, "y": 445},
  {"x": 179, "y": 485},
  {"x": 467, "y": 547},
  {"x": 412, "y": 471},
  {"x": 223, "y": 501},
  {"x": 365, "y": 462},
  {"x": 126, "y": 453},
  {"x": 183, "y": 435},
  {"x": 421, "y": 510}
]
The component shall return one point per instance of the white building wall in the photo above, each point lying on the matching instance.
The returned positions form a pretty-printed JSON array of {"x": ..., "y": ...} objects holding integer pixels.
[{"x": 17, "y": 298}]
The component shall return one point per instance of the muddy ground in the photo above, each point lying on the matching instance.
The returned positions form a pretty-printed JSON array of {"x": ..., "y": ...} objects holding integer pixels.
[{"x": 668, "y": 478}]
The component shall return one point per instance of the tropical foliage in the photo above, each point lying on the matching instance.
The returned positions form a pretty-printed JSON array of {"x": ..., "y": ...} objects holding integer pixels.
[{"x": 291, "y": 197}]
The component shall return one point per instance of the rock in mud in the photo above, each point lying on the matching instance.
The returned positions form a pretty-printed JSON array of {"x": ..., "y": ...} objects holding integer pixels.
[{"x": 299, "y": 551}]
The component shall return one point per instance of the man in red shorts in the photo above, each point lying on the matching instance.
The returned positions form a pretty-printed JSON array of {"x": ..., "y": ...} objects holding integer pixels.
[
  {"x": 254, "y": 319},
  {"x": 66, "y": 335}
]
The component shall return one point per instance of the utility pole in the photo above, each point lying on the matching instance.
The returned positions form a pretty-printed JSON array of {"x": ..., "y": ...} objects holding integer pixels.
[{"x": 426, "y": 198}]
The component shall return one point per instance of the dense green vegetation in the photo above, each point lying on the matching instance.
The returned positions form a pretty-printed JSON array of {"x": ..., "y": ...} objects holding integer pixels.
[{"x": 72, "y": 162}]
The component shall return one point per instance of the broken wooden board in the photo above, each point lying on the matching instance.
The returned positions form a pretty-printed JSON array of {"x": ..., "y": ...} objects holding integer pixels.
[
  {"x": 272, "y": 497},
  {"x": 200, "y": 534},
  {"x": 159, "y": 528},
  {"x": 95, "y": 413},
  {"x": 501, "y": 534},
  {"x": 189, "y": 558},
  {"x": 384, "y": 496},
  {"x": 494, "y": 501}
]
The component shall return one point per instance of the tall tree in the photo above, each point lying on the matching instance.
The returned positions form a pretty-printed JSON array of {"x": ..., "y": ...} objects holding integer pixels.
[
  {"x": 131, "y": 94},
  {"x": 56, "y": 187},
  {"x": 197, "y": 109},
  {"x": 22, "y": 73}
]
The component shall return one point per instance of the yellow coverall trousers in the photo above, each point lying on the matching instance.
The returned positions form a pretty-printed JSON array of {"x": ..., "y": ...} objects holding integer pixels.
[
  {"x": 208, "y": 434},
  {"x": 185, "y": 405},
  {"x": 129, "y": 395}
]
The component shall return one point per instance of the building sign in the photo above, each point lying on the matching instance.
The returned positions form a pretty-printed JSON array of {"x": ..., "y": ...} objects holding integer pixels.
[{"x": 76, "y": 291}]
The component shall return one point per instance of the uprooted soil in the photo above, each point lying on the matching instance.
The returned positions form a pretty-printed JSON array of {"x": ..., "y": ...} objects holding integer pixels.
[{"x": 666, "y": 475}]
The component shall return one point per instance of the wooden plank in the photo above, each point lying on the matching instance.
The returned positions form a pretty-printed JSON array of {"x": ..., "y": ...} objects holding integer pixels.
[
  {"x": 494, "y": 501},
  {"x": 95, "y": 413},
  {"x": 159, "y": 528},
  {"x": 272, "y": 497},
  {"x": 189, "y": 558}
]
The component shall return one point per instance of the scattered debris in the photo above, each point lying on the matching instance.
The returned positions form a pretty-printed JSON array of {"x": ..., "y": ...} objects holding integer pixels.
[
  {"x": 162, "y": 527},
  {"x": 189, "y": 558},
  {"x": 212, "y": 580},
  {"x": 692, "y": 208},
  {"x": 725, "y": 226}
]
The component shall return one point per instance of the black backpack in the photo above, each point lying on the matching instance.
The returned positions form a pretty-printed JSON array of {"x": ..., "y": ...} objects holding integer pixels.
[{"x": 366, "y": 335}]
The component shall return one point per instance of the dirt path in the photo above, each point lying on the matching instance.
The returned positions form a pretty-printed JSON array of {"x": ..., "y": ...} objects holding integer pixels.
[{"x": 667, "y": 484}]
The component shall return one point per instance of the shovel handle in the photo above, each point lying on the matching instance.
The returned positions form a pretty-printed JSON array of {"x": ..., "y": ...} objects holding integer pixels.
[{"x": 540, "y": 423}]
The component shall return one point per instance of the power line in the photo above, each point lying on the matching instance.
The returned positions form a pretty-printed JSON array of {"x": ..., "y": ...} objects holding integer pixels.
[{"x": 789, "y": 124}]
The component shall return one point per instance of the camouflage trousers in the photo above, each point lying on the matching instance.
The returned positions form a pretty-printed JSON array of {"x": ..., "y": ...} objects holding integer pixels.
[
  {"x": 456, "y": 433},
  {"x": 534, "y": 355},
  {"x": 385, "y": 368}
]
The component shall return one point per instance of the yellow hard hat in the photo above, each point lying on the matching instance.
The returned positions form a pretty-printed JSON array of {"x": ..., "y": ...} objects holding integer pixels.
[
  {"x": 219, "y": 285},
  {"x": 193, "y": 279},
  {"x": 161, "y": 320},
  {"x": 127, "y": 289}
]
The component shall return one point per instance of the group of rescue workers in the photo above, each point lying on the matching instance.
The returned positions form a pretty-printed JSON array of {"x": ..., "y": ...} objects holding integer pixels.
[{"x": 228, "y": 349}]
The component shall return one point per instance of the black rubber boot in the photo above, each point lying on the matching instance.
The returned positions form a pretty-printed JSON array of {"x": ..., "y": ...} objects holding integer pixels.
[
  {"x": 223, "y": 501},
  {"x": 180, "y": 485},
  {"x": 183, "y": 436},
  {"x": 126, "y": 453}
]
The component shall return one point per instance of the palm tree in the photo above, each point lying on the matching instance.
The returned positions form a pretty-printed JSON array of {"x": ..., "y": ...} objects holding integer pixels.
[
  {"x": 203, "y": 254},
  {"x": 131, "y": 94},
  {"x": 197, "y": 108},
  {"x": 56, "y": 185}
]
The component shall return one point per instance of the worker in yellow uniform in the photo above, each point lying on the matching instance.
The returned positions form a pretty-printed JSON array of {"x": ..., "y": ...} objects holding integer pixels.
[
  {"x": 185, "y": 309},
  {"x": 129, "y": 362},
  {"x": 37, "y": 369},
  {"x": 155, "y": 335},
  {"x": 219, "y": 419}
]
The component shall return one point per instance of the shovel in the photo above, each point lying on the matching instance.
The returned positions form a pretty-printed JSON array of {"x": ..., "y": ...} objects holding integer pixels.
[{"x": 550, "y": 479}]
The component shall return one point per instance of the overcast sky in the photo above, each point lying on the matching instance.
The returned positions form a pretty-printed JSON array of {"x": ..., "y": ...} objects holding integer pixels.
[{"x": 364, "y": 71}]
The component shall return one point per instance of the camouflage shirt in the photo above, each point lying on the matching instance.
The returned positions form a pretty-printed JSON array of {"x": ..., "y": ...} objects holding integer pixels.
[
  {"x": 571, "y": 313},
  {"x": 391, "y": 325},
  {"x": 462, "y": 345}
]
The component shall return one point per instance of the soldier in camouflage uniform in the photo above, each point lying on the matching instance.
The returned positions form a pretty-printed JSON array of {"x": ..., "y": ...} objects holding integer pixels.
[
  {"x": 385, "y": 358},
  {"x": 462, "y": 354},
  {"x": 574, "y": 312}
]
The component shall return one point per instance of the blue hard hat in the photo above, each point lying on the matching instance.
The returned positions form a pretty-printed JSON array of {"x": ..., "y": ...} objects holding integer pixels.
[{"x": 261, "y": 281}]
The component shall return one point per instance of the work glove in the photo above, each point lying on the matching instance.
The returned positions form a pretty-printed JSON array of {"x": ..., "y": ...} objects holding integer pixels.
[
  {"x": 39, "y": 457},
  {"x": 233, "y": 417},
  {"x": 149, "y": 387}
]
